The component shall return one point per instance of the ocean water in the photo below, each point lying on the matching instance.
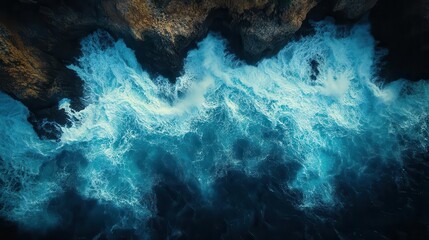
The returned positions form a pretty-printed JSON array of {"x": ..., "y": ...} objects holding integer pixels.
[{"x": 310, "y": 143}]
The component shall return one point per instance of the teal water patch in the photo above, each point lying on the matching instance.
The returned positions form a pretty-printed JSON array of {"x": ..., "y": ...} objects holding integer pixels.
[
  {"x": 317, "y": 104},
  {"x": 25, "y": 190}
]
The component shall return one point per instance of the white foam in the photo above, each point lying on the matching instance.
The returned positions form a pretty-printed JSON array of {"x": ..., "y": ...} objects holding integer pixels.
[{"x": 340, "y": 120}]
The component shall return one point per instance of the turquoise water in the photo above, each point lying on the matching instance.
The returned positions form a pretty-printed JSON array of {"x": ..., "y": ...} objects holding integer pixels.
[{"x": 324, "y": 120}]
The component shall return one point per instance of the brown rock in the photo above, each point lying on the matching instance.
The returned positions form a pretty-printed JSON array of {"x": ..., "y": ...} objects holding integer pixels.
[
  {"x": 39, "y": 38},
  {"x": 28, "y": 73},
  {"x": 46, "y": 35}
]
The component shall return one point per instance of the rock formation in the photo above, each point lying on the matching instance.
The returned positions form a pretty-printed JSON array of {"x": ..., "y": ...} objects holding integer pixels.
[{"x": 39, "y": 38}]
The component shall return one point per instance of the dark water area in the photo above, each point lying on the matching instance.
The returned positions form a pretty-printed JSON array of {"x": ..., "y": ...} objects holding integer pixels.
[
  {"x": 255, "y": 208},
  {"x": 308, "y": 144}
]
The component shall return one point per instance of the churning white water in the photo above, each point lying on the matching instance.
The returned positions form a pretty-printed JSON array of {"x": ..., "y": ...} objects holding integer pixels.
[{"x": 317, "y": 103}]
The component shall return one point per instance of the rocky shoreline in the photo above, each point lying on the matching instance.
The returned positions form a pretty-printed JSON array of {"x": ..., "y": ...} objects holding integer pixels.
[{"x": 39, "y": 38}]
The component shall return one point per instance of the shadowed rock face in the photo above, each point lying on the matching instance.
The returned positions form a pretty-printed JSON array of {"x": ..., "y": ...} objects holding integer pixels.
[
  {"x": 39, "y": 38},
  {"x": 162, "y": 32},
  {"x": 403, "y": 28},
  {"x": 352, "y": 9}
]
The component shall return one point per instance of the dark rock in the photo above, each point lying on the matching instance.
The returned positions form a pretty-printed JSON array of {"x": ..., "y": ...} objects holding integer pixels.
[
  {"x": 403, "y": 28},
  {"x": 39, "y": 38},
  {"x": 353, "y": 9}
]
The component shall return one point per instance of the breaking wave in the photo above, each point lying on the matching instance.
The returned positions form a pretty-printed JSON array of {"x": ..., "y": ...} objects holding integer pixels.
[{"x": 312, "y": 128}]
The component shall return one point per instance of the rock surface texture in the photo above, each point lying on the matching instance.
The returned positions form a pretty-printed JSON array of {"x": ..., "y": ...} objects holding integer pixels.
[{"x": 39, "y": 38}]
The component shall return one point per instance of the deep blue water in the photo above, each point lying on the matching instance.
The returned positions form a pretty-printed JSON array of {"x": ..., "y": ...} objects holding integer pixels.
[{"x": 308, "y": 144}]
